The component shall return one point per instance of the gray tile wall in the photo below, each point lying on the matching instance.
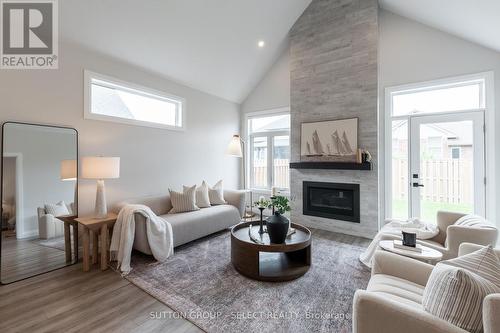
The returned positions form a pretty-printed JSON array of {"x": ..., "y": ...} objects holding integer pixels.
[{"x": 333, "y": 74}]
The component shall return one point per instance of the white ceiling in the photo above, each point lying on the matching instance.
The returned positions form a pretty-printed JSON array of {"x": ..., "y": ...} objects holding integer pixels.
[
  {"x": 474, "y": 20},
  {"x": 210, "y": 45}
]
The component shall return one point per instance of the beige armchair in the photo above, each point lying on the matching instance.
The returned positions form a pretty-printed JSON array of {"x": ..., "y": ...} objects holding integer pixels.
[
  {"x": 392, "y": 302},
  {"x": 450, "y": 236},
  {"x": 50, "y": 226}
]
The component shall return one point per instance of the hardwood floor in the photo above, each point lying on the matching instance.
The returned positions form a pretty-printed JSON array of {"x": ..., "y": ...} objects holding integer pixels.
[
  {"x": 25, "y": 258},
  {"x": 69, "y": 300}
]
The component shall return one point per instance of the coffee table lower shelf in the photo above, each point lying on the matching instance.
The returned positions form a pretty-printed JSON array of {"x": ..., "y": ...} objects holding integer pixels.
[{"x": 272, "y": 262}]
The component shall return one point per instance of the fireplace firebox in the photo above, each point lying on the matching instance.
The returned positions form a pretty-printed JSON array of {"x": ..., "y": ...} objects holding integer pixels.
[{"x": 338, "y": 201}]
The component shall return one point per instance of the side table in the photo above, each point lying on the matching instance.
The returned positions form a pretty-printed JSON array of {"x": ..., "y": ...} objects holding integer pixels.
[
  {"x": 70, "y": 222},
  {"x": 429, "y": 255},
  {"x": 98, "y": 228}
]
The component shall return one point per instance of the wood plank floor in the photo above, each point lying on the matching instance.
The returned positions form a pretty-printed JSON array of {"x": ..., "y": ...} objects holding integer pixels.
[
  {"x": 22, "y": 258},
  {"x": 69, "y": 300}
]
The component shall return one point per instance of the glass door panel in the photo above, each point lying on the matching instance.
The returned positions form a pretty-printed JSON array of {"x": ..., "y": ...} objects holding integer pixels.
[
  {"x": 400, "y": 195},
  {"x": 447, "y": 165}
]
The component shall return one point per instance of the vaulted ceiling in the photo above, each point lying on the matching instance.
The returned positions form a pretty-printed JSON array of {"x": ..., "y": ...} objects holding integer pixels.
[
  {"x": 210, "y": 45},
  {"x": 474, "y": 20}
]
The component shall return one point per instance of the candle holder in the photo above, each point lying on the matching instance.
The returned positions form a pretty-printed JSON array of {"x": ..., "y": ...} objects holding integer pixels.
[{"x": 261, "y": 229}]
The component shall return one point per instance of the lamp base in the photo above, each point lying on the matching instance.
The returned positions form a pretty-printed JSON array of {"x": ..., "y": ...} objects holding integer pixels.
[{"x": 101, "y": 209}]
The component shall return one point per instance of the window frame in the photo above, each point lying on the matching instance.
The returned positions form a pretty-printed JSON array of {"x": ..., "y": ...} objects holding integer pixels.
[
  {"x": 112, "y": 82},
  {"x": 270, "y": 148}
]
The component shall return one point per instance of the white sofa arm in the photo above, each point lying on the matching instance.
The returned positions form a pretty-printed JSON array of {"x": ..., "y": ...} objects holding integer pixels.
[
  {"x": 402, "y": 267},
  {"x": 374, "y": 313},
  {"x": 491, "y": 313},
  {"x": 46, "y": 226},
  {"x": 236, "y": 198}
]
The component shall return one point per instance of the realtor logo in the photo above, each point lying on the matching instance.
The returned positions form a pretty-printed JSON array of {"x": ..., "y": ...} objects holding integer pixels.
[{"x": 29, "y": 36}]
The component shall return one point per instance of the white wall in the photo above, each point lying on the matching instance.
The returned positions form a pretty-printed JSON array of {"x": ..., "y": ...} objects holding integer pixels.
[
  {"x": 273, "y": 91},
  {"x": 42, "y": 149},
  {"x": 9, "y": 181},
  {"x": 151, "y": 159},
  {"x": 411, "y": 52}
]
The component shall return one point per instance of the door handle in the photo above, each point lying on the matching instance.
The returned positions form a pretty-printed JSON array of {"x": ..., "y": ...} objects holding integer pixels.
[{"x": 418, "y": 185}]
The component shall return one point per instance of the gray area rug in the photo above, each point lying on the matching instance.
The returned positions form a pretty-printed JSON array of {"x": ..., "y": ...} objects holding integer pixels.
[{"x": 200, "y": 283}]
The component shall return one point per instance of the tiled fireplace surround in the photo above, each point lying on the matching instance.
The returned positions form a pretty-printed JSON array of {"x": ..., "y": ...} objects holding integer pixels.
[{"x": 333, "y": 75}]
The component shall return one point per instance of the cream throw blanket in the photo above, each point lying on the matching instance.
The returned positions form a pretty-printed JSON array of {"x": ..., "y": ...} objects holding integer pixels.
[
  {"x": 158, "y": 232},
  {"x": 392, "y": 231}
]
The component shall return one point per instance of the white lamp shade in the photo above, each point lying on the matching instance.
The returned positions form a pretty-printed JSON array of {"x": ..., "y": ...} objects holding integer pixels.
[
  {"x": 100, "y": 167},
  {"x": 234, "y": 148},
  {"x": 68, "y": 170}
]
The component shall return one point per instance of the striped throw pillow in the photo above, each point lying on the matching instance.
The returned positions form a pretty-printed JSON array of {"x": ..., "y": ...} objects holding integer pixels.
[
  {"x": 484, "y": 262},
  {"x": 202, "y": 199},
  {"x": 216, "y": 194},
  {"x": 456, "y": 295},
  {"x": 183, "y": 202}
]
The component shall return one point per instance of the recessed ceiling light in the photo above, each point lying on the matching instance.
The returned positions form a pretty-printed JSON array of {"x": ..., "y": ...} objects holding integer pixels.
[{"x": 261, "y": 43}]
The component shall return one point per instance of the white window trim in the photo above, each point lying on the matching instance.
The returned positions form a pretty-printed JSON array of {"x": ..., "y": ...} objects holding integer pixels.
[
  {"x": 489, "y": 116},
  {"x": 249, "y": 158},
  {"x": 87, "y": 112}
]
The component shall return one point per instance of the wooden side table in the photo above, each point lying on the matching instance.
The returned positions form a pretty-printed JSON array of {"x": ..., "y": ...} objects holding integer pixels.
[
  {"x": 98, "y": 228},
  {"x": 70, "y": 222}
]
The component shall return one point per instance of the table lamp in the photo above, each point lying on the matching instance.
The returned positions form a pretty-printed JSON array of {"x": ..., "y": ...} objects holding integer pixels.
[
  {"x": 100, "y": 168},
  {"x": 69, "y": 172}
]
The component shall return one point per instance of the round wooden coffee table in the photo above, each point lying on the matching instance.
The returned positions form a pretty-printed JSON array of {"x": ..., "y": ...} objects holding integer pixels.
[{"x": 267, "y": 261}]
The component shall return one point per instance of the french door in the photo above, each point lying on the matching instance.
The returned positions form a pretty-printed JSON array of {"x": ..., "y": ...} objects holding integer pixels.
[
  {"x": 438, "y": 163},
  {"x": 446, "y": 166}
]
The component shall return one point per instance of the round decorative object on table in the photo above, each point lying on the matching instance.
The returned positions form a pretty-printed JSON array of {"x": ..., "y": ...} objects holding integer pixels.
[
  {"x": 277, "y": 228},
  {"x": 428, "y": 254},
  {"x": 266, "y": 261}
]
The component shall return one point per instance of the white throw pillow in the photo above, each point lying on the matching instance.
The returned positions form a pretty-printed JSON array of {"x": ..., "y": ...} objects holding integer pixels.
[
  {"x": 58, "y": 209},
  {"x": 216, "y": 193},
  {"x": 202, "y": 199},
  {"x": 183, "y": 202},
  {"x": 456, "y": 295}
]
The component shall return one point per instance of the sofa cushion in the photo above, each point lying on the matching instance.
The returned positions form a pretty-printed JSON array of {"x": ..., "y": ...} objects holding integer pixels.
[
  {"x": 483, "y": 262},
  {"x": 216, "y": 193},
  {"x": 183, "y": 202},
  {"x": 58, "y": 209},
  {"x": 400, "y": 289},
  {"x": 202, "y": 199},
  {"x": 189, "y": 226},
  {"x": 456, "y": 295}
]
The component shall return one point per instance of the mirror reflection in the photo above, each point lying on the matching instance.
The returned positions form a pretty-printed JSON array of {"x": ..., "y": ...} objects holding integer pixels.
[{"x": 39, "y": 196}]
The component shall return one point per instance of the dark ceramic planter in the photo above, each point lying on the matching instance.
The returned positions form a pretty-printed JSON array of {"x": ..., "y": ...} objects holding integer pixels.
[{"x": 277, "y": 228}]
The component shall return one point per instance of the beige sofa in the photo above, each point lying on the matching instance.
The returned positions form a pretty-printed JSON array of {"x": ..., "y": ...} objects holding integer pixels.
[
  {"x": 188, "y": 226},
  {"x": 450, "y": 236},
  {"x": 392, "y": 302}
]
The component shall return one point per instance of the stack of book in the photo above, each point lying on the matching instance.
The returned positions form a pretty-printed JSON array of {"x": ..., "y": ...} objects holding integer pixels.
[{"x": 399, "y": 245}]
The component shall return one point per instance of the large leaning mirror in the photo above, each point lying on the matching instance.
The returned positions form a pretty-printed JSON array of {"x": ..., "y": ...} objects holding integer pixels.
[{"x": 39, "y": 197}]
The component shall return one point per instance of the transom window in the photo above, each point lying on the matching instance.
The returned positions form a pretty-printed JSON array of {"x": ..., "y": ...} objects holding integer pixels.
[
  {"x": 459, "y": 96},
  {"x": 269, "y": 142},
  {"x": 113, "y": 100}
]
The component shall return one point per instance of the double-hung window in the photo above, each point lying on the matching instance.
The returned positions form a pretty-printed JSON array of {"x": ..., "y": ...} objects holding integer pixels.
[
  {"x": 113, "y": 100},
  {"x": 269, "y": 151}
]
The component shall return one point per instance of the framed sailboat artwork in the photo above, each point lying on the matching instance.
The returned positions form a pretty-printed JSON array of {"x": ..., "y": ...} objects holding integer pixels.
[{"x": 328, "y": 141}]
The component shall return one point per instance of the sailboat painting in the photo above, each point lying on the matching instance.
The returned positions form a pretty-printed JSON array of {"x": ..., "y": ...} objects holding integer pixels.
[{"x": 334, "y": 140}]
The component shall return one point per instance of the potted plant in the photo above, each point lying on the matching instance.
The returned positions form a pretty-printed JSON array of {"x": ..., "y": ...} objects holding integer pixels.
[{"x": 277, "y": 225}]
